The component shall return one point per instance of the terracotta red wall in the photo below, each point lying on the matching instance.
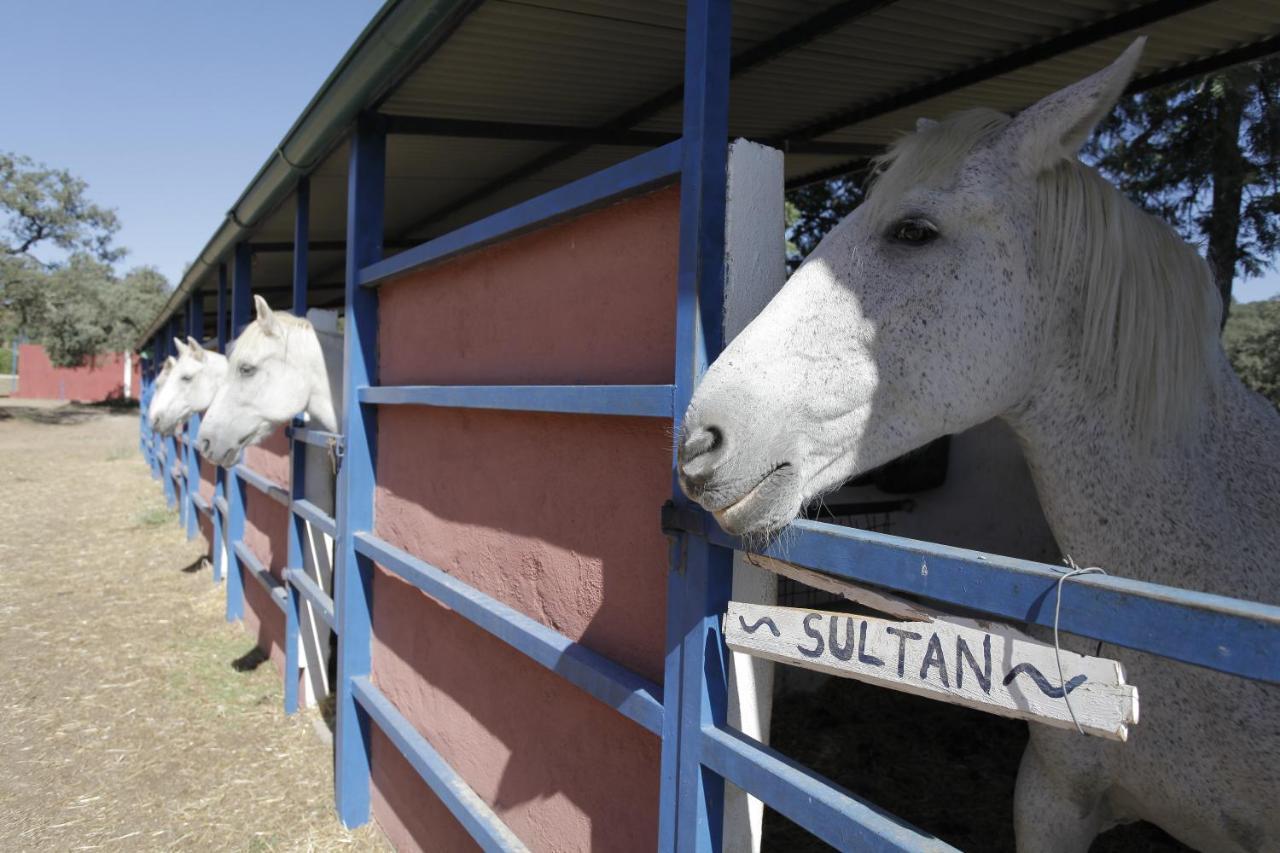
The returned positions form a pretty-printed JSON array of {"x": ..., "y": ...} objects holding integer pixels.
[
  {"x": 555, "y": 515},
  {"x": 266, "y": 532},
  {"x": 98, "y": 380}
]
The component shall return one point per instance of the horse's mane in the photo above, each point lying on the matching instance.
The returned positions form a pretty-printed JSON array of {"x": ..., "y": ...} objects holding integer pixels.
[{"x": 1150, "y": 312}]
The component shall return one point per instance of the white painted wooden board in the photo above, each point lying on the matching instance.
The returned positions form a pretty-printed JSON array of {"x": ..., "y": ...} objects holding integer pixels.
[{"x": 988, "y": 666}]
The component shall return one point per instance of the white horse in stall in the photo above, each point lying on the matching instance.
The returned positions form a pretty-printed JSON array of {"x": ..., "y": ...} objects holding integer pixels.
[
  {"x": 196, "y": 375},
  {"x": 990, "y": 274},
  {"x": 280, "y": 367}
]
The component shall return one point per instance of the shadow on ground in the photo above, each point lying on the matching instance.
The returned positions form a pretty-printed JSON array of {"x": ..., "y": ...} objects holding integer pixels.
[{"x": 250, "y": 660}]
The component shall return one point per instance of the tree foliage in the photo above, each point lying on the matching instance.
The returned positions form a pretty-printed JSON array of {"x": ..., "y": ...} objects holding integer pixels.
[
  {"x": 814, "y": 210},
  {"x": 1203, "y": 155},
  {"x": 1252, "y": 341},
  {"x": 58, "y": 285},
  {"x": 45, "y": 207}
]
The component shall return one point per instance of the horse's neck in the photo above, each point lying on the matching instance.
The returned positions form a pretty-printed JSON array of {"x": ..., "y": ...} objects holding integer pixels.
[
  {"x": 216, "y": 363},
  {"x": 1203, "y": 513},
  {"x": 325, "y": 402}
]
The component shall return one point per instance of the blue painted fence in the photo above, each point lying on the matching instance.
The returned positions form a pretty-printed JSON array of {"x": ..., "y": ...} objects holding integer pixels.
[{"x": 699, "y": 750}]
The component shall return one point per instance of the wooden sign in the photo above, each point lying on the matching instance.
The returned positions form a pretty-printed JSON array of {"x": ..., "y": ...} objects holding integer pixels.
[{"x": 984, "y": 665}]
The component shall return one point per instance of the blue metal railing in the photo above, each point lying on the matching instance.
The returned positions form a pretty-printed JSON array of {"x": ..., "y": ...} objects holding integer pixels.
[{"x": 688, "y": 711}]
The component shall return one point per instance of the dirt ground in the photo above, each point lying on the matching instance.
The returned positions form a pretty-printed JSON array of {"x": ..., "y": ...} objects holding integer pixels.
[{"x": 133, "y": 716}]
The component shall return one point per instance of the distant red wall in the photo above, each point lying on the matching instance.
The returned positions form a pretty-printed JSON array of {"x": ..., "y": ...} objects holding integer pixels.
[
  {"x": 555, "y": 515},
  {"x": 102, "y": 378}
]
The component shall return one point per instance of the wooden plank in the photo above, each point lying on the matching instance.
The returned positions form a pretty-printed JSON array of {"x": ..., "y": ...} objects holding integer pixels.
[
  {"x": 983, "y": 665},
  {"x": 892, "y": 605}
]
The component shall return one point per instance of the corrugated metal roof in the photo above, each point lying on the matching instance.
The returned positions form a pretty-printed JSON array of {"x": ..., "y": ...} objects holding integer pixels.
[{"x": 585, "y": 63}]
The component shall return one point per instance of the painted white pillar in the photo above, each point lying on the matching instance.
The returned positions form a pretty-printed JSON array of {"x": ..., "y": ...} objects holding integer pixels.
[
  {"x": 755, "y": 270},
  {"x": 128, "y": 374}
]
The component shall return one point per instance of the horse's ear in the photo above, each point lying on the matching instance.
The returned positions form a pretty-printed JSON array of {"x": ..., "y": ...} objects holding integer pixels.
[
  {"x": 194, "y": 349},
  {"x": 266, "y": 318},
  {"x": 1056, "y": 127},
  {"x": 179, "y": 346}
]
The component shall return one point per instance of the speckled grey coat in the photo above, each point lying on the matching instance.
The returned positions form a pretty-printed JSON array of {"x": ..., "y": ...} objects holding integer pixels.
[{"x": 991, "y": 275}]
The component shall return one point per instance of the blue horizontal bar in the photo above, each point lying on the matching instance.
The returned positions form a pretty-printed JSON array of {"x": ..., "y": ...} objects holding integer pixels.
[
  {"x": 316, "y": 437},
  {"x": 221, "y": 505},
  {"x": 627, "y": 178},
  {"x": 651, "y": 401},
  {"x": 634, "y": 697},
  {"x": 1225, "y": 634},
  {"x": 314, "y": 595},
  {"x": 201, "y": 503},
  {"x": 820, "y": 806},
  {"x": 275, "y": 491},
  {"x": 273, "y": 587},
  {"x": 316, "y": 516},
  {"x": 463, "y": 803}
]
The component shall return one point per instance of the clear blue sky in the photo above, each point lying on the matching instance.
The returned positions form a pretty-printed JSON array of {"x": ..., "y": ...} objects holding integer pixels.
[{"x": 167, "y": 109}]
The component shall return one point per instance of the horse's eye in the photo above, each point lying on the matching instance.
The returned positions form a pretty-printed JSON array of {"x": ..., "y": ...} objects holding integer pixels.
[
  {"x": 247, "y": 370},
  {"x": 188, "y": 378},
  {"x": 914, "y": 232}
]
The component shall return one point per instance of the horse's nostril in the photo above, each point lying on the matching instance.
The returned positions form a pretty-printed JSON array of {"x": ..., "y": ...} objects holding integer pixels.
[
  {"x": 699, "y": 455},
  {"x": 702, "y": 441}
]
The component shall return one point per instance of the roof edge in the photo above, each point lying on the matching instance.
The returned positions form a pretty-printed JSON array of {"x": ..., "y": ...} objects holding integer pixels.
[{"x": 394, "y": 39}]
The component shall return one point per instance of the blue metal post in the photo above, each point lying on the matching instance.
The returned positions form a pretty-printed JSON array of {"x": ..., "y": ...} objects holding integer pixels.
[
  {"x": 297, "y": 462},
  {"x": 195, "y": 329},
  {"x": 241, "y": 309},
  {"x": 241, "y": 289},
  {"x": 170, "y": 455},
  {"x": 144, "y": 400},
  {"x": 157, "y": 362},
  {"x": 219, "y": 474},
  {"x": 696, "y": 688},
  {"x": 352, "y": 585}
]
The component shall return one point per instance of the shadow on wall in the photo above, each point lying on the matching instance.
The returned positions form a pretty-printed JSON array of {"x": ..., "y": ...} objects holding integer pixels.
[
  {"x": 557, "y": 516},
  {"x": 539, "y": 527}
]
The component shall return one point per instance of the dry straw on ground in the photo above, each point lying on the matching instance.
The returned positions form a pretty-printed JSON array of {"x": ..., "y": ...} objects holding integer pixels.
[{"x": 134, "y": 717}]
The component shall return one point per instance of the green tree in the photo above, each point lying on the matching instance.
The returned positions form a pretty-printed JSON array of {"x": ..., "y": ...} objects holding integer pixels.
[
  {"x": 58, "y": 286},
  {"x": 1203, "y": 155},
  {"x": 1252, "y": 341},
  {"x": 814, "y": 210},
  {"x": 45, "y": 207}
]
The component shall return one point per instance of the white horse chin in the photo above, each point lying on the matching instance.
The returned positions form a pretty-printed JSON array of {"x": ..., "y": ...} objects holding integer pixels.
[{"x": 771, "y": 505}]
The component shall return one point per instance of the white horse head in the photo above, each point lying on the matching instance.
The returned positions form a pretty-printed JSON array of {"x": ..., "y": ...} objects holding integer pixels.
[
  {"x": 931, "y": 309},
  {"x": 166, "y": 369},
  {"x": 279, "y": 367},
  {"x": 186, "y": 385}
]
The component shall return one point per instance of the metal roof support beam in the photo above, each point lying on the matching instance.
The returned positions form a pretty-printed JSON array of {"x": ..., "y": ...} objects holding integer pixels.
[
  {"x": 301, "y": 231},
  {"x": 523, "y": 132},
  {"x": 353, "y": 572},
  {"x": 801, "y": 34},
  {"x": 220, "y": 320},
  {"x": 241, "y": 289},
  {"x": 1115, "y": 25},
  {"x": 281, "y": 246},
  {"x": 1208, "y": 65},
  {"x": 400, "y": 36},
  {"x": 695, "y": 689},
  {"x": 195, "y": 329}
]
